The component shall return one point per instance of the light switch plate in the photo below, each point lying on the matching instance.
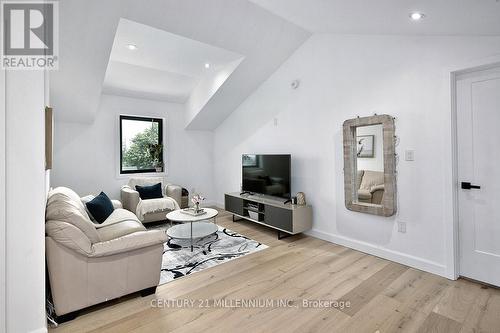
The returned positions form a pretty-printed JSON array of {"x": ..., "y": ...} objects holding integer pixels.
[
  {"x": 409, "y": 155},
  {"x": 402, "y": 227}
]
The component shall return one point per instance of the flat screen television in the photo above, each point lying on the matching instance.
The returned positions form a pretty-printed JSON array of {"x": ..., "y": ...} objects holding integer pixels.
[{"x": 266, "y": 174}]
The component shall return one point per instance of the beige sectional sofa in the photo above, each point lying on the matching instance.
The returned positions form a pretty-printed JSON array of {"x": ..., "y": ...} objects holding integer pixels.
[{"x": 91, "y": 263}]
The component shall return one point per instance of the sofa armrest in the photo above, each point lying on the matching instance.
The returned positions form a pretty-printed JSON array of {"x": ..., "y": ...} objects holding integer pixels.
[
  {"x": 69, "y": 236},
  {"x": 174, "y": 192},
  {"x": 130, "y": 199},
  {"x": 130, "y": 242},
  {"x": 116, "y": 204},
  {"x": 377, "y": 188}
]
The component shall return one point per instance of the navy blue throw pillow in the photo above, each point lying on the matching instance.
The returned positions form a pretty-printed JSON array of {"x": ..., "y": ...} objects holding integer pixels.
[
  {"x": 100, "y": 207},
  {"x": 149, "y": 192}
]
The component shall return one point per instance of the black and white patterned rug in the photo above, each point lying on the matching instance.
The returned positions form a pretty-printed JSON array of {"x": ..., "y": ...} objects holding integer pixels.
[{"x": 215, "y": 249}]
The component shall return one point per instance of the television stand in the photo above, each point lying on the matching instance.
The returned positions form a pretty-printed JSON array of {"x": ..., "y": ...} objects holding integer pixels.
[
  {"x": 282, "y": 235},
  {"x": 272, "y": 212}
]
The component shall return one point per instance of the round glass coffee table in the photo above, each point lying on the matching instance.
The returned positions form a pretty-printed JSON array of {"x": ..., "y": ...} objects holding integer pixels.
[{"x": 192, "y": 227}]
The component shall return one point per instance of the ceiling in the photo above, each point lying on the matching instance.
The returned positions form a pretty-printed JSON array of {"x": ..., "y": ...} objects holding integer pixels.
[
  {"x": 217, "y": 29},
  {"x": 443, "y": 17},
  {"x": 245, "y": 40},
  {"x": 164, "y": 66}
]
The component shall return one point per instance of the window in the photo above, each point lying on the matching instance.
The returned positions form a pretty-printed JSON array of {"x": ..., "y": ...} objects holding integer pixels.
[{"x": 141, "y": 144}]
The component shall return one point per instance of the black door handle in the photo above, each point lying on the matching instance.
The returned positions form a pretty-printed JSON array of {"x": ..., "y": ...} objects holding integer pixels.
[{"x": 468, "y": 186}]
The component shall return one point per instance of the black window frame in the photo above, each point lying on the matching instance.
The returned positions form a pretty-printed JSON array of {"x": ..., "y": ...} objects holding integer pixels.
[{"x": 160, "y": 141}]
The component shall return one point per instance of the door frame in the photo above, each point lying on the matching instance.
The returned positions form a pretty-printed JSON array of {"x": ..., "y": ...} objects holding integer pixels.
[
  {"x": 3, "y": 230},
  {"x": 452, "y": 231}
]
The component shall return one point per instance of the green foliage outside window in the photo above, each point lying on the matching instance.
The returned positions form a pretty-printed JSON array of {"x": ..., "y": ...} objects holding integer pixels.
[{"x": 137, "y": 156}]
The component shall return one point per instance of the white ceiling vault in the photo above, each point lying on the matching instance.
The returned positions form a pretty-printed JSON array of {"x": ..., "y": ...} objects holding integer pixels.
[
  {"x": 442, "y": 17},
  {"x": 175, "y": 38},
  {"x": 162, "y": 66}
]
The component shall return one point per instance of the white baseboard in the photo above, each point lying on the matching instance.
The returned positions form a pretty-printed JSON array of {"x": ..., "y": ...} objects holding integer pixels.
[
  {"x": 40, "y": 330},
  {"x": 379, "y": 251},
  {"x": 399, "y": 257}
]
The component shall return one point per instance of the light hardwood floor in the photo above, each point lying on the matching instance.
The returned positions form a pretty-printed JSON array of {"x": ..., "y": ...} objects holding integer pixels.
[{"x": 384, "y": 296}]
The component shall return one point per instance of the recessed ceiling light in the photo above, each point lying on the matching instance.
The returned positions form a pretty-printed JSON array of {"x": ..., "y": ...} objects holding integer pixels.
[
  {"x": 417, "y": 16},
  {"x": 207, "y": 65},
  {"x": 132, "y": 47}
]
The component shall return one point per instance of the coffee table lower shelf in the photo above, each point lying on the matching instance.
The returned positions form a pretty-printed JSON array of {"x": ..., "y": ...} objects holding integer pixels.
[{"x": 192, "y": 230}]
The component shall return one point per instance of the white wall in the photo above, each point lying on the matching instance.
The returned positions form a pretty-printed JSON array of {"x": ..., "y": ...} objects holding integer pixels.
[
  {"x": 375, "y": 163},
  {"x": 25, "y": 202},
  {"x": 86, "y": 155},
  {"x": 345, "y": 76}
]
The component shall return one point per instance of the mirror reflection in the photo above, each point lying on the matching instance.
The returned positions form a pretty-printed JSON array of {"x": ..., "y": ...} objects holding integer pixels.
[{"x": 370, "y": 164}]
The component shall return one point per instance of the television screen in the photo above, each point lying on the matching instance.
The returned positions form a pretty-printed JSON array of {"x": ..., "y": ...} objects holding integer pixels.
[{"x": 267, "y": 174}]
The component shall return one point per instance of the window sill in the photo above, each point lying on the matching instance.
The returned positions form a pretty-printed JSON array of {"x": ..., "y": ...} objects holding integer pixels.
[{"x": 141, "y": 174}]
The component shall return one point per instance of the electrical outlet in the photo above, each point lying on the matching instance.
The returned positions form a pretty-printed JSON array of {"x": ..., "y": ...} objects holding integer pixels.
[
  {"x": 409, "y": 155},
  {"x": 402, "y": 227}
]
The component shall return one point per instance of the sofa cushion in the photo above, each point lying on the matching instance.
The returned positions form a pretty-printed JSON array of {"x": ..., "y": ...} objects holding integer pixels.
[
  {"x": 100, "y": 207},
  {"x": 121, "y": 222},
  {"x": 64, "y": 205},
  {"x": 147, "y": 192},
  {"x": 118, "y": 215},
  {"x": 371, "y": 178},
  {"x": 116, "y": 230}
]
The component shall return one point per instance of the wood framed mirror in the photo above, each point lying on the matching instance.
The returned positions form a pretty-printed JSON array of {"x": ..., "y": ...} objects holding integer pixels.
[{"x": 370, "y": 165}]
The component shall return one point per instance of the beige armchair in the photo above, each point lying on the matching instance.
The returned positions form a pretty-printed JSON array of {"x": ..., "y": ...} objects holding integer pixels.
[
  {"x": 91, "y": 263},
  {"x": 153, "y": 209}
]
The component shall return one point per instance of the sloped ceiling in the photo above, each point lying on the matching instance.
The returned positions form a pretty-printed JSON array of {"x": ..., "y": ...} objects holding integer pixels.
[
  {"x": 88, "y": 28},
  {"x": 162, "y": 66},
  {"x": 443, "y": 17}
]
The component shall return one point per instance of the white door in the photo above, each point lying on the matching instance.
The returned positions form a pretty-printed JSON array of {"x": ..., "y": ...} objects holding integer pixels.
[{"x": 478, "y": 129}]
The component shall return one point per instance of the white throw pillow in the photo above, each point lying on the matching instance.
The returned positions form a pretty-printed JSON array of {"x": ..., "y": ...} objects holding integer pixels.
[{"x": 86, "y": 199}]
